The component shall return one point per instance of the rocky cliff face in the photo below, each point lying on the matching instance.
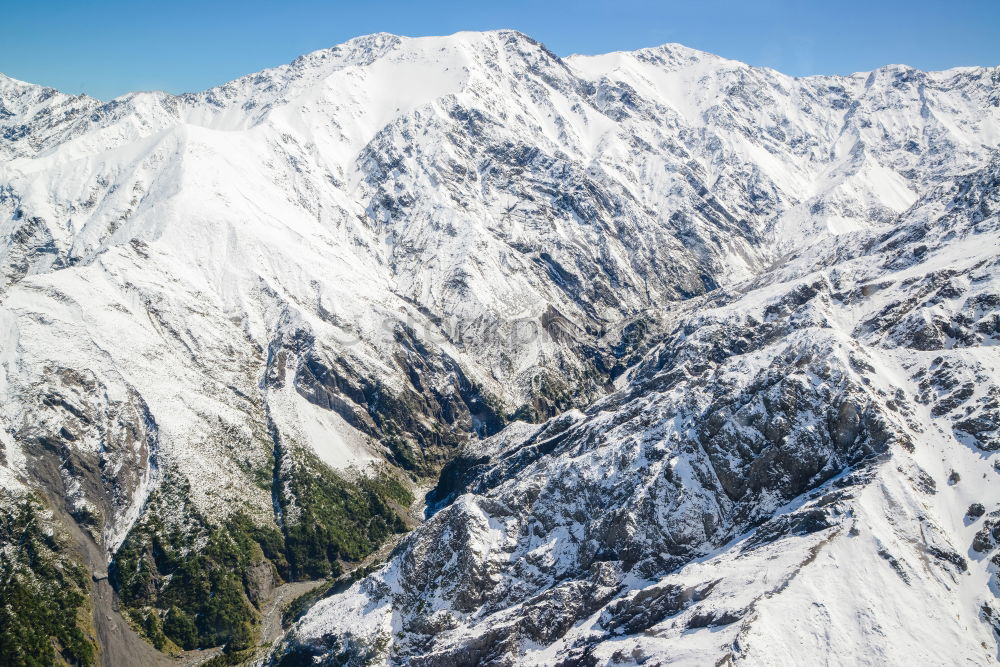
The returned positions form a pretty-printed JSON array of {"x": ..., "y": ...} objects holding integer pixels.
[
  {"x": 666, "y": 324},
  {"x": 785, "y": 477}
]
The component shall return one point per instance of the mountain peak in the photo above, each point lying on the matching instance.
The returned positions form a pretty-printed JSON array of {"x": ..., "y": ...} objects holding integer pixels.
[{"x": 690, "y": 349}]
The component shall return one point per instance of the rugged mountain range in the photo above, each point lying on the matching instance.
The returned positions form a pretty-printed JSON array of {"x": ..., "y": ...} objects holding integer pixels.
[{"x": 696, "y": 359}]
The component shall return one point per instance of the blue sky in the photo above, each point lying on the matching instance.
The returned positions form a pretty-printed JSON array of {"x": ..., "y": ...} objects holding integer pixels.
[{"x": 108, "y": 48}]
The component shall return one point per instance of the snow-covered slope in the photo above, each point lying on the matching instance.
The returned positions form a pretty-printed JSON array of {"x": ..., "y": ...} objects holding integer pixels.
[
  {"x": 797, "y": 475},
  {"x": 361, "y": 260}
]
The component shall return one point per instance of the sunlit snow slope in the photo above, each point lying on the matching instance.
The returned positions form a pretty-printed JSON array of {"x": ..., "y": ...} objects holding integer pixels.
[{"x": 264, "y": 309}]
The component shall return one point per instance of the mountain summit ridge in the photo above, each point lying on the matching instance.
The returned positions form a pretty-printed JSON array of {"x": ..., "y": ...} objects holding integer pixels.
[
  {"x": 623, "y": 314},
  {"x": 378, "y": 41}
]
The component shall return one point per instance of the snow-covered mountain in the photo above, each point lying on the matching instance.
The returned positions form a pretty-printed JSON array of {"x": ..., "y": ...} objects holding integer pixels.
[
  {"x": 694, "y": 346},
  {"x": 797, "y": 475}
]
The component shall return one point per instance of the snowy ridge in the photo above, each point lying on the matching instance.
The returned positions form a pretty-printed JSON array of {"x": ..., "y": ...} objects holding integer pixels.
[
  {"x": 383, "y": 251},
  {"x": 778, "y": 483}
]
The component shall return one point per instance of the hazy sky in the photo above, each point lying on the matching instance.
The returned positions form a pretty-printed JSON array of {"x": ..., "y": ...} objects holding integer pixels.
[{"x": 108, "y": 48}]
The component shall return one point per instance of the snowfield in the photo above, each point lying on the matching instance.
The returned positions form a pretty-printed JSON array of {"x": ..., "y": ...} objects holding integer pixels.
[{"x": 701, "y": 358}]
